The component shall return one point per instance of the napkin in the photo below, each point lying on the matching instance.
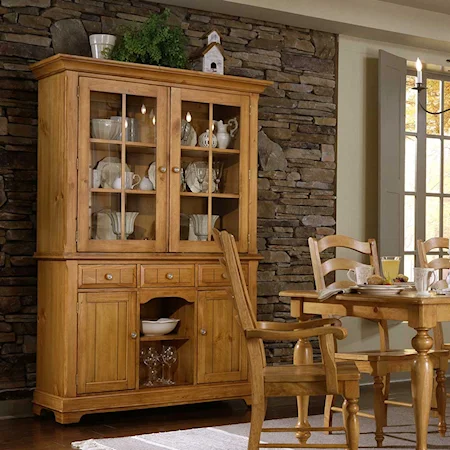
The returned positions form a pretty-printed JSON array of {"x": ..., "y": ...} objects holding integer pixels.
[{"x": 327, "y": 293}]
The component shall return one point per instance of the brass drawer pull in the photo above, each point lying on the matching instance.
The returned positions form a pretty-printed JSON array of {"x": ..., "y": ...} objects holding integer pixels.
[
  {"x": 109, "y": 276},
  {"x": 203, "y": 332},
  {"x": 169, "y": 276},
  {"x": 133, "y": 335},
  {"x": 163, "y": 169},
  {"x": 176, "y": 170}
]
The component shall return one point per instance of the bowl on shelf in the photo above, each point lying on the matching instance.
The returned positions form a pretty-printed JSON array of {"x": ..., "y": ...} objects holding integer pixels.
[
  {"x": 158, "y": 327},
  {"x": 105, "y": 129}
]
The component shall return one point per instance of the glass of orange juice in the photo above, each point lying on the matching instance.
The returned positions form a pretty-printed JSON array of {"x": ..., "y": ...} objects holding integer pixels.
[{"x": 390, "y": 266}]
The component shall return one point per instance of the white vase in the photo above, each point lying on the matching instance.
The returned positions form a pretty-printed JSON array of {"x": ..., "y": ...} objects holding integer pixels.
[
  {"x": 116, "y": 222},
  {"x": 200, "y": 222},
  {"x": 100, "y": 43}
]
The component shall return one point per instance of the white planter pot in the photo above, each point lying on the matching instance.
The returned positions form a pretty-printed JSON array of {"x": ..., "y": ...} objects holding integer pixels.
[{"x": 101, "y": 42}]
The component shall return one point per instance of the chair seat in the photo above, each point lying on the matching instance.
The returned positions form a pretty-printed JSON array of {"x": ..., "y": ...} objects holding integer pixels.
[
  {"x": 388, "y": 355},
  {"x": 447, "y": 346},
  {"x": 311, "y": 372}
]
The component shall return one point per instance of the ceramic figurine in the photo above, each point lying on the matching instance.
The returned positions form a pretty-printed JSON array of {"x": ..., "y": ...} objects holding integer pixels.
[{"x": 223, "y": 137}]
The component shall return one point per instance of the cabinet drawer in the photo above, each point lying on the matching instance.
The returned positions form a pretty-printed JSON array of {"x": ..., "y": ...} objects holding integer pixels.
[
  {"x": 168, "y": 275},
  {"x": 215, "y": 275},
  {"x": 114, "y": 275}
]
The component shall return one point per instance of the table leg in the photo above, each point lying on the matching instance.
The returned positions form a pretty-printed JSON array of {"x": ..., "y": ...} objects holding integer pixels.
[
  {"x": 422, "y": 385},
  {"x": 303, "y": 354}
]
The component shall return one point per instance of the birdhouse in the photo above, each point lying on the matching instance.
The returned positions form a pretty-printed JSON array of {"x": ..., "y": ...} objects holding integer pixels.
[{"x": 210, "y": 59}]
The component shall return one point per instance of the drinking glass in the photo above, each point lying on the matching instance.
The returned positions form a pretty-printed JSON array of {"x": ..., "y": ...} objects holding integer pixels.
[
  {"x": 217, "y": 172},
  {"x": 152, "y": 360},
  {"x": 390, "y": 266},
  {"x": 169, "y": 358},
  {"x": 201, "y": 173}
]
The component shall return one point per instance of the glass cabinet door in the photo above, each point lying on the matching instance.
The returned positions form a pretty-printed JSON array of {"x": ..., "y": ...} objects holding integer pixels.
[
  {"x": 209, "y": 169},
  {"x": 122, "y": 159}
]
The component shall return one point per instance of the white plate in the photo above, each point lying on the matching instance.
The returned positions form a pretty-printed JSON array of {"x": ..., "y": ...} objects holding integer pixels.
[
  {"x": 110, "y": 168},
  {"x": 152, "y": 174},
  {"x": 191, "y": 179},
  {"x": 378, "y": 289},
  {"x": 191, "y": 138}
]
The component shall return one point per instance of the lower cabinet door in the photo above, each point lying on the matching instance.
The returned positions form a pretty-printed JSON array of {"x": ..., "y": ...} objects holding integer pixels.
[
  {"x": 107, "y": 338},
  {"x": 222, "y": 352}
]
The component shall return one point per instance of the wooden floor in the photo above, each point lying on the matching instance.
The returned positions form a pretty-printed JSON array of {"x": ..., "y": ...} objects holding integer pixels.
[{"x": 44, "y": 434}]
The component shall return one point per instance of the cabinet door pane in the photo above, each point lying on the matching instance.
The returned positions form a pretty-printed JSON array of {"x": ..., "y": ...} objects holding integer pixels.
[
  {"x": 106, "y": 349},
  {"x": 122, "y": 200},
  {"x": 222, "y": 349},
  {"x": 209, "y": 169}
]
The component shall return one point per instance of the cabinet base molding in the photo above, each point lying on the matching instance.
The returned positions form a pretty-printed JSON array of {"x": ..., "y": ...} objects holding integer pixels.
[{"x": 70, "y": 410}]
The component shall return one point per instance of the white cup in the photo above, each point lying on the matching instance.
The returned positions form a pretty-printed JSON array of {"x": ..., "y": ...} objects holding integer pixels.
[
  {"x": 96, "y": 178},
  {"x": 129, "y": 178},
  {"x": 360, "y": 274},
  {"x": 423, "y": 279}
]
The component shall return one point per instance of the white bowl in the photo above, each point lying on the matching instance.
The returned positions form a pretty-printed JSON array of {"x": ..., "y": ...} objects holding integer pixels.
[
  {"x": 105, "y": 129},
  {"x": 158, "y": 327}
]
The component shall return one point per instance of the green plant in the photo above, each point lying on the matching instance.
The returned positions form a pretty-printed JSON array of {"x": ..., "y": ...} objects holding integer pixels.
[{"x": 152, "y": 42}]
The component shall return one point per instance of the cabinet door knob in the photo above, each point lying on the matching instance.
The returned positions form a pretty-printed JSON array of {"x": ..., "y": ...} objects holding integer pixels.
[
  {"x": 133, "y": 335},
  {"x": 176, "y": 169},
  {"x": 224, "y": 275},
  {"x": 163, "y": 169},
  {"x": 109, "y": 276},
  {"x": 203, "y": 332},
  {"x": 169, "y": 276}
]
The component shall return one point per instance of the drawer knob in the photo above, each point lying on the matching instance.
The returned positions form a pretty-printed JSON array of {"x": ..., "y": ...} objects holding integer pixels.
[
  {"x": 133, "y": 335},
  {"x": 176, "y": 170},
  {"x": 203, "y": 332},
  {"x": 163, "y": 169},
  {"x": 109, "y": 276},
  {"x": 224, "y": 275},
  {"x": 169, "y": 276}
]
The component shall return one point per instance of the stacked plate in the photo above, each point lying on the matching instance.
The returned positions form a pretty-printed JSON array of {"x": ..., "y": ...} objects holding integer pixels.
[{"x": 378, "y": 289}]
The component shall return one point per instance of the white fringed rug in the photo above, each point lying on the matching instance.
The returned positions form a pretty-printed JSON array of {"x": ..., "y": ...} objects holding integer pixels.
[{"x": 400, "y": 434}]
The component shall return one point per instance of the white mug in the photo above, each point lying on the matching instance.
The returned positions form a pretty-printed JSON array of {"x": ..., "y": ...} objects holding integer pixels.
[
  {"x": 129, "y": 178},
  {"x": 360, "y": 274},
  {"x": 96, "y": 178},
  {"x": 423, "y": 279}
]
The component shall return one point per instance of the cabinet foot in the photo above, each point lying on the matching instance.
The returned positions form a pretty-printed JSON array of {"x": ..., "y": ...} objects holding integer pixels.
[
  {"x": 37, "y": 410},
  {"x": 248, "y": 401},
  {"x": 68, "y": 417}
]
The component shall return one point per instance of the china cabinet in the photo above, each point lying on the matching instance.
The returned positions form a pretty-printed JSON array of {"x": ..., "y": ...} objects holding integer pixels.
[{"x": 132, "y": 180}]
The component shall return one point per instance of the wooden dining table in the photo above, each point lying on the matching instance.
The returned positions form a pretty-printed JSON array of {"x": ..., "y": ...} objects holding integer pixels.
[{"x": 421, "y": 314}]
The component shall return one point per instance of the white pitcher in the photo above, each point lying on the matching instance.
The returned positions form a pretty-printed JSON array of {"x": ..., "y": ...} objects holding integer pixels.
[
  {"x": 223, "y": 137},
  {"x": 423, "y": 279}
]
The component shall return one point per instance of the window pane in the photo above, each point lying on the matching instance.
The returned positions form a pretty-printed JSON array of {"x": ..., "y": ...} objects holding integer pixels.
[
  {"x": 446, "y": 118},
  {"x": 434, "y": 105},
  {"x": 433, "y": 180},
  {"x": 446, "y": 218},
  {"x": 410, "y": 212},
  {"x": 410, "y": 163},
  {"x": 411, "y": 105},
  {"x": 432, "y": 217},
  {"x": 446, "y": 167},
  {"x": 408, "y": 268}
]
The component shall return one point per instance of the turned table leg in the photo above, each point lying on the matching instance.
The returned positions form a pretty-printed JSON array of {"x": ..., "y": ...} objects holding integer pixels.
[
  {"x": 303, "y": 354},
  {"x": 422, "y": 385}
]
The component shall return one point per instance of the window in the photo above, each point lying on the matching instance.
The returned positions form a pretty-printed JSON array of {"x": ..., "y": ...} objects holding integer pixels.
[{"x": 427, "y": 166}]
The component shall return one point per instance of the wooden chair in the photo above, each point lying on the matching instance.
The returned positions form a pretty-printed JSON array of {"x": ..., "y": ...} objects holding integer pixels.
[
  {"x": 377, "y": 363},
  {"x": 289, "y": 380},
  {"x": 423, "y": 248}
]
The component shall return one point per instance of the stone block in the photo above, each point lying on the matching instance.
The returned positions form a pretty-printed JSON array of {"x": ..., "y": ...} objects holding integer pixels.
[
  {"x": 300, "y": 153},
  {"x": 318, "y": 221},
  {"x": 284, "y": 77},
  {"x": 266, "y": 44},
  {"x": 299, "y": 44},
  {"x": 317, "y": 81},
  {"x": 57, "y": 13},
  {"x": 275, "y": 257},
  {"x": 328, "y": 152},
  {"x": 278, "y": 133},
  {"x": 29, "y": 344},
  {"x": 325, "y": 44},
  {"x": 3, "y": 126},
  {"x": 27, "y": 39},
  {"x": 270, "y": 154},
  {"x": 7, "y": 337},
  {"x": 22, "y": 261},
  {"x": 327, "y": 121},
  {"x": 22, "y": 3},
  {"x": 24, "y": 50},
  {"x": 266, "y": 209},
  {"x": 19, "y": 248},
  {"x": 310, "y": 63},
  {"x": 231, "y": 23}
]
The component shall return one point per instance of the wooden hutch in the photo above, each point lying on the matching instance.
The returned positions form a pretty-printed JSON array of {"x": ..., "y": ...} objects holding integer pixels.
[{"x": 112, "y": 254}]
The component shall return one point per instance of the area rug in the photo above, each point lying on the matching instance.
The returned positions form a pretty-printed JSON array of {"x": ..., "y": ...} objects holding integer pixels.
[{"x": 400, "y": 434}]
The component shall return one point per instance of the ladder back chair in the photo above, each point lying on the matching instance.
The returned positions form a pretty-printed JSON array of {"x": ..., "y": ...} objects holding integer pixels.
[
  {"x": 441, "y": 263},
  {"x": 289, "y": 380},
  {"x": 377, "y": 363}
]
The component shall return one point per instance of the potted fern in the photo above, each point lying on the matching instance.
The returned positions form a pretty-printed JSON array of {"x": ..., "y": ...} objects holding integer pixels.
[{"x": 152, "y": 42}]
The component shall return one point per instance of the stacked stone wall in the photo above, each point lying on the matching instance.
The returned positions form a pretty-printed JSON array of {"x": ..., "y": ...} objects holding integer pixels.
[{"x": 297, "y": 137}]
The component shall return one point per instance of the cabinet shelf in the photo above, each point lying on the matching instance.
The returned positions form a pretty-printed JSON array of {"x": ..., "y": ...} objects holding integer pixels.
[
  {"x": 118, "y": 191},
  {"x": 206, "y": 149},
  {"x": 164, "y": 337},
  {"x": 140, "y": 192},
  {"x": 130, "y": 144},
  {"x": 205, "y": 195}
]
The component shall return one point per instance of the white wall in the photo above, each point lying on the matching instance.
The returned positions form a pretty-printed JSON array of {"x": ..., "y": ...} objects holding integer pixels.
[{"x": 357, "y": 166}]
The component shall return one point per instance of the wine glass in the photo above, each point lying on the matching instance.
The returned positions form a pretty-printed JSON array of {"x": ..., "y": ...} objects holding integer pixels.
[
  {"x": 151, "y": 360},
  {"x": 201, "y": 173},
  {"x": 217, "y": 172},
  {"x": 169, "y": 358}
]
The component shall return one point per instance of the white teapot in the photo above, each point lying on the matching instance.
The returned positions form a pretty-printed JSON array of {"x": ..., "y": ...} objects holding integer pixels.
[{"x": 223, "y": 137}]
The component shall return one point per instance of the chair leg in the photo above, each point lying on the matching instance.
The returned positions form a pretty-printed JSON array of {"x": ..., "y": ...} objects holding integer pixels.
[
  {"x": 441, "y": 398},
  {"x": 386, "y": 391},
  {"x": 328, "y": 413},
  {"x": 350, "y": 410},
  {"x": 259, "y": 407},
  {"x": 380, "y": 410}
]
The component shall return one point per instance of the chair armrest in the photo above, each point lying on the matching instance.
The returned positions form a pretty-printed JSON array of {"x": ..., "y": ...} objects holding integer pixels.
[
  {"x": 290, "y": 326},
  {"x": 269, "y": 335}
]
